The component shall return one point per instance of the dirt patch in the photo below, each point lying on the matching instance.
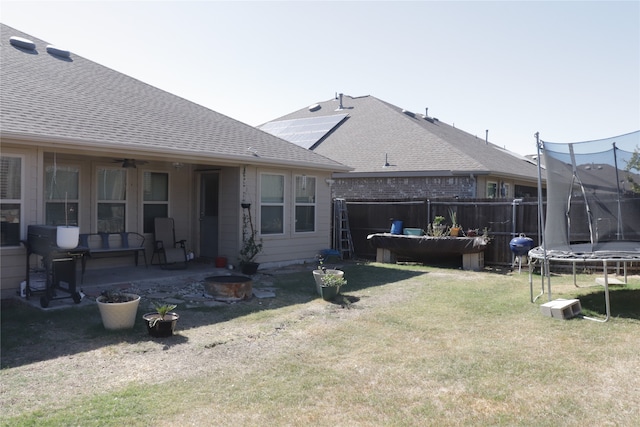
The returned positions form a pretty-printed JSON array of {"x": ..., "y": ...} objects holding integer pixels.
[{"x": 70, "y": 350}]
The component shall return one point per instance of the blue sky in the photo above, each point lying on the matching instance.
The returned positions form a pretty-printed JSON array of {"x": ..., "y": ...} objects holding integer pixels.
[{"x": 569, "y": 70}]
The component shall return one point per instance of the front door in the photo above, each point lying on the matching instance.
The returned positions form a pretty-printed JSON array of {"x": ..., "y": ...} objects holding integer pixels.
[{"x": 209, "y": 194}]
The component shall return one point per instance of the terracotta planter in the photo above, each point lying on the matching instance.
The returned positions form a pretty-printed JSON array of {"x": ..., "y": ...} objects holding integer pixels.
[
  {"x": 454, "y": 232},
  {"x": 118, "y": 315},
  {"x": 162, "y": 328}
]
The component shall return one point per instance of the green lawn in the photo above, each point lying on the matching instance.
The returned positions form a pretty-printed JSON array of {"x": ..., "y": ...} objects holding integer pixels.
[{"x": 406, "y": 346}]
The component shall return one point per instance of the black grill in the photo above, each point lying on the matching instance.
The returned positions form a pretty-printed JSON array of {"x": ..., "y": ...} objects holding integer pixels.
[{"x": 59, "y": 264}]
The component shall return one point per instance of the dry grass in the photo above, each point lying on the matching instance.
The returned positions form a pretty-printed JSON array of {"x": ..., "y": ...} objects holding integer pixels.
[{"x": 417, "y": 346}]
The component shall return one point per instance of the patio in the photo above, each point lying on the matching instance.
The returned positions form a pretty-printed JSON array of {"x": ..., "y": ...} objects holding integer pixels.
[{"x": 154, "y": 283}]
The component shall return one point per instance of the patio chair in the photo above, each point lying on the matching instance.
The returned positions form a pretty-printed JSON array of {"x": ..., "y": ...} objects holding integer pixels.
[{"x": 171, "y": 252}]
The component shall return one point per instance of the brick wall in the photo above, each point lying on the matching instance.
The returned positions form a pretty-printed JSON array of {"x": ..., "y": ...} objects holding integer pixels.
[{"x": 403, "y": 188}]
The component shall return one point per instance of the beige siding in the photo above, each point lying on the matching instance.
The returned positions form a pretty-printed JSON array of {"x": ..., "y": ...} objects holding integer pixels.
[
  {"x": 237, "y": 183},
  {"x": 229, "y": 222},
  {"x": 292, "y": 246},
  {"x": 13, "y": 260}
]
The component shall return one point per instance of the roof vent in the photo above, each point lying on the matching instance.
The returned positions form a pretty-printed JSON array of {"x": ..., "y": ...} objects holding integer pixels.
[
  {"x": 22, "y": 42},
  {"x": 56, "y": 51},
  {"x": 409, "y": 113},
  {"x": 314, "y": 107}
]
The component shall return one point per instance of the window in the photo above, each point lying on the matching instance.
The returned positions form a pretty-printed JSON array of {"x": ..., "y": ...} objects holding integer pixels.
[
  {"x": 155, "y": 198},
  {"x": 504, "y": 191},
  {"x": 10, "y": 200},
  {"x": 112, "y": 194},
  {"x": 305, "y": 201},
  {"x": 61, "y": 189},
  {"x": 271, "y": 204},
  {"x": 492, "y": 190}
]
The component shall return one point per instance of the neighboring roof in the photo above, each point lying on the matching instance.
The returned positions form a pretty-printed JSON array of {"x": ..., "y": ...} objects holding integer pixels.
[
  {"x": 50, "y": 98},
  {"x": 376, "y": 132}
]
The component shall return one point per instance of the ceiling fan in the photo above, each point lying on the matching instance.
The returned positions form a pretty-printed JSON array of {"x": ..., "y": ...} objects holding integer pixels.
[{"x": 130, "y": 163}]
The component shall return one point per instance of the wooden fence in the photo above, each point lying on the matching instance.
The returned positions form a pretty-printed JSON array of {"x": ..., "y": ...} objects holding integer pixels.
[{"x": 503, "y": 219}]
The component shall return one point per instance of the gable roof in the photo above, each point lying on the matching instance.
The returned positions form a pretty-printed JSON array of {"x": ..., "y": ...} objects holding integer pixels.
[
  {"x": 73, "y": 102},
  {"x": 376, "y": 132}
]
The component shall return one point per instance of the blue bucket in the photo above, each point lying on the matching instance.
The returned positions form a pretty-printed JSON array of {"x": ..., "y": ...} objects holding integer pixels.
[{"x": 396, "y": 227}]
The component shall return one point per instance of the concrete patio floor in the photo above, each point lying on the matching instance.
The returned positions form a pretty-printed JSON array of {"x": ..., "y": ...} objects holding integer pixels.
[{"x": 154, "y": 283}]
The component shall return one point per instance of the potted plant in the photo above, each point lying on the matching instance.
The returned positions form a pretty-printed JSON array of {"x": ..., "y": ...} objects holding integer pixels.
[
  {"x": 455, "y": 227},
  {"x": 162, "y": 322},
  {"x": 117, "y": 309},
  {"x": 251, "y": 243},
  {"x": 331, "y": 284},
  {"x": 321, "y": 274},
  {"x": 472, "y": 232},
  {"x": 437, "y": 228}
]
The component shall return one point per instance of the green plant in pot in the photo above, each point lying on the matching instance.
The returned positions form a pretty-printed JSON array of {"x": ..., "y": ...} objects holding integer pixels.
[
  {"x": 251, "y": 243},
  {"x": 162, "y": 322},
  {"x": 455, "y": 227},
  {"x": 331, "y": 284},
  {"x": 322, "y": 272},
  {"x": 437, "y": 228}
]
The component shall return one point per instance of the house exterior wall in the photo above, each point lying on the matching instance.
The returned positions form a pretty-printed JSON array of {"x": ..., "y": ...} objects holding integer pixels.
[
  {"x": 291, "y": 246},
  {"x": 236, "y": 183},
  {"x": 229, "y": 223},
  {"x": 13, "y": 258}
]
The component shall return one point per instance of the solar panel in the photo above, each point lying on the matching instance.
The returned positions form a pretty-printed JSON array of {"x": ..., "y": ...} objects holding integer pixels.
[{"x": 303, "y": 132}]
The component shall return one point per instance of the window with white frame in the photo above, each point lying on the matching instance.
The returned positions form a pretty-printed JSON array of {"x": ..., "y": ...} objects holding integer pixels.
[
  {"x": 305, "y": 204},
  {"x": 492, "y": 190},
  {"x": 155, "y": 198},
  {"x": 271, "y": 204},
  {"x": 10, "y": 199},
  {"x": 61, "y": 195},
  {"x": 112, "y": 197},
  {"x": 504, "y": 190}
]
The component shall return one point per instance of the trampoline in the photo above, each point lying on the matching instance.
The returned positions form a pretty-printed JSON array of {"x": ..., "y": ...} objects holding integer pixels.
[{"x": 592, "y": 213}]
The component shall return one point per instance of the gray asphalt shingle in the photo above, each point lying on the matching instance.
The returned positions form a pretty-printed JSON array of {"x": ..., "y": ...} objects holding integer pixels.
[
  {"x": 77, "y": 100},
  {"x": 376, "y": 130}
]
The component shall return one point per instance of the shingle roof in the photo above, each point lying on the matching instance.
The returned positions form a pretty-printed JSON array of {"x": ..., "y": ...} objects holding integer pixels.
[
  {"x": 77, "y": 101},
  {"x": 376, "y": 130}
]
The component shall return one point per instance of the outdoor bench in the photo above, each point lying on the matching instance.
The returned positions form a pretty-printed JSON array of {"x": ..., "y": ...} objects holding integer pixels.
[{"x": 113, "y": 244}]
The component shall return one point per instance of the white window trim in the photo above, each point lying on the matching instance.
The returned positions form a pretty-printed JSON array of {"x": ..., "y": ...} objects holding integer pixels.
[
  {"x": 296, "y": 204},
  {"x": 497, "y": 188},
  {"x": 98, "y": 201},
  {"x": 76, "y": 201},
  {"x": 20, "y": 201},
  {"x": 283, "y": 205},
  {"x": 153, "y": 202}
]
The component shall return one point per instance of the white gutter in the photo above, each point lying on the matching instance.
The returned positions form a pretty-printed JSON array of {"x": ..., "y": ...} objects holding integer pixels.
[{"x": 195, "y": 156}]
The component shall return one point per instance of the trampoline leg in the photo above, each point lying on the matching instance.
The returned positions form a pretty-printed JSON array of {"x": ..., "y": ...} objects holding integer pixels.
[
  {"x": 606, "y": 296},
  {"x": 531, "y": 267},
  {"x": 547, "y": 272}
]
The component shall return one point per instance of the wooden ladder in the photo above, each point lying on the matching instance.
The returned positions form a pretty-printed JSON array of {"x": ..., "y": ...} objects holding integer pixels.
[{"x": 341, "y": 231}]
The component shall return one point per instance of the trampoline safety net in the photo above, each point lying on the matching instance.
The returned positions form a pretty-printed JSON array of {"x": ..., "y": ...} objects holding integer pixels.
[{"x": 593, "y": 197}]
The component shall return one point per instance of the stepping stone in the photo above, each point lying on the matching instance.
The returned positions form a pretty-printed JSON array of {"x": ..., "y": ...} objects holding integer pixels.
[
  {"x": 263, "y": 293},
  {"x": 611, "y": 280}
]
